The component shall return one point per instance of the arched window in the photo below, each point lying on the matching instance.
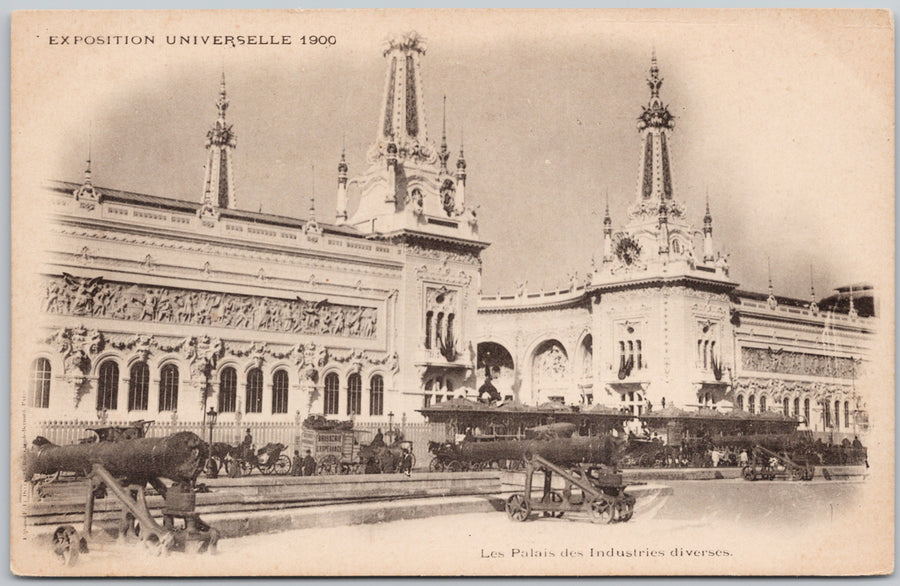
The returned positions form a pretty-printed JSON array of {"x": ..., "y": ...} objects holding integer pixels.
[
  {"x": 332, "y": 384},
  {"x": 428, "y": 317},
  {"x": 827, "y": 406},
  {"x": 450, "y": 318},
  {"x": 376, "y": 395},
  {"x": 740, "y": 402},
  {"x": 639, "y": 361},
  {"x": 228, "y": 390},
  {"x": 354, "y": 394},
  {"x": 806, "y": 410},
  {"x": 837, "y": 414},
  {"x": 676, "y": 247},
  {"x": 786, "y": 407},
  {"x": 762, "y": 404},
  {"x": 108, "y": 386},
  {"x": 797, "y": 407},
  {"x": 846, "y": 413},
  {"x": 751, "y": 403},
  {"x": 254, "y": 391},
  {"x": 280, "y": 391},
  {"x": 139, "y": 387},
  {"x": 39, "y": 389},
  {"x": 168, "y": 388},
  {"x": 705, "y": 354}
]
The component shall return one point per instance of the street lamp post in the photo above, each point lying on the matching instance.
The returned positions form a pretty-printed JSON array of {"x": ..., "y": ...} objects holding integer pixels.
[{"x": 210, "y": 417}]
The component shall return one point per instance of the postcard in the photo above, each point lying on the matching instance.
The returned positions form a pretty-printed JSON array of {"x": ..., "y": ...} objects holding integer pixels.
[{"x": 452, "y": 292}]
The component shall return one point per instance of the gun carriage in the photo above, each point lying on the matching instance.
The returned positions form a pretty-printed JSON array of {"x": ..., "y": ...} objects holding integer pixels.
[
  {"x": 124, "y": 468},
  {"x": 592, "y": 486}
]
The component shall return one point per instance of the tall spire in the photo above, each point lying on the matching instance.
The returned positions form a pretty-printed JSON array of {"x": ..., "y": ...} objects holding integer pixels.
[
  {"x": 403, "y": 112},
  {"x": 708, "y": 255},
  {"x": 218, "y": 183},
  {"x": 813, "y": 305},
  {"x": 444, "y": 153},
  {"x": 655, "y": 184},
  {"x": 341, "y": 205},
  {"x": 607, "y": 232},
  {"x": 86, "y": 190},
  {"x": 771, "y": 300}
]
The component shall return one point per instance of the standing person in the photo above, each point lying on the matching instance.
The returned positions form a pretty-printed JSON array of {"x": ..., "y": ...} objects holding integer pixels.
[
  {"x": 296, "y": 464},
  {"x": 378, "y": 441},
  {"x": 406, "y": 462},
  {"x": 309, "y": 464},
  {"x": 247, "y": 446},
  {"x": 744, "y": 458}
]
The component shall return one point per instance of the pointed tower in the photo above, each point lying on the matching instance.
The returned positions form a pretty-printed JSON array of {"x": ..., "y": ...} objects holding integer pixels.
[
  {"x": 408, "y": 185},
  {"x": 654, "y": 123},
  {"x": 607, "y": 234},
  {"x": 341, "y": 205},
  {"x": 218, "y": 182},
  {"x": 708, "y": 255}
]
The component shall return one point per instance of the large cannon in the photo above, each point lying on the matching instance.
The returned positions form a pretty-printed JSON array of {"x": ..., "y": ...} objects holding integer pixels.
[
  {"x": 572, "y": 450},
  {"x": 124, "y": 468},
  {"x": 179, "y": 457}
]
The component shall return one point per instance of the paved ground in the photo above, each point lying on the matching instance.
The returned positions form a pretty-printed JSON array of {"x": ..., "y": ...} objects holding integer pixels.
[{"x": 704, "y": 527}]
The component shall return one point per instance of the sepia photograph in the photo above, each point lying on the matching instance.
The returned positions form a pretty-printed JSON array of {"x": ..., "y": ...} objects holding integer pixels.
[{"x": 452, "y": 292}]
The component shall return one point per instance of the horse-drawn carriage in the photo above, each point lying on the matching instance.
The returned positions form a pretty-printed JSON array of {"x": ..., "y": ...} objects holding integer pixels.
[{"x": 268, "y": 460}]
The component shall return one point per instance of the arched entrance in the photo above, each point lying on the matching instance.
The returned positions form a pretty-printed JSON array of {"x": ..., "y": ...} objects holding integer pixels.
[
  {"x": 549, "y": 372},
  {"x": 495, "y": 359}
]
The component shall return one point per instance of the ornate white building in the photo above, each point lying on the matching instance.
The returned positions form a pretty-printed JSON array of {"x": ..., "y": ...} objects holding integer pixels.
[
  {"x": 660, "y": 322},
  {"x": 156, "y": 308}
]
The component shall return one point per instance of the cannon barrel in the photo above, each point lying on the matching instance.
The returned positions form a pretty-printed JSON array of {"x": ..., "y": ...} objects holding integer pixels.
[
  {"x": 593, "y": 450},
  {"x": 179, "y": 457}
]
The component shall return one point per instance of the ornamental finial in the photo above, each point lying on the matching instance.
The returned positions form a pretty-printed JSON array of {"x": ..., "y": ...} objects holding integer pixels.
[
  {"x": 655, "y": 81},
  {"x": 222, "y": 102}
]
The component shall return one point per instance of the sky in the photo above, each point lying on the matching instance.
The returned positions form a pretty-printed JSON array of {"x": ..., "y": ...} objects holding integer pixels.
[{"x": 783, "y": 119}]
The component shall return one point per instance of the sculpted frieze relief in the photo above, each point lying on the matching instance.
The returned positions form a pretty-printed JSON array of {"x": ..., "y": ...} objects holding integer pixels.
[
  {"x": 780, "y": 388},
  {"x": 96, "y": 298},
  {"x": 464, "y": 257},
  {"x": 782, "y": 361}
]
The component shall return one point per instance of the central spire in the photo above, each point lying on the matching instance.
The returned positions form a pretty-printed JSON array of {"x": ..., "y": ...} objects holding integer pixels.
[
  {"x": 403, "y": 113},
  {"x": 655, "y": 121},
  {"x": 218, "y": 183}
]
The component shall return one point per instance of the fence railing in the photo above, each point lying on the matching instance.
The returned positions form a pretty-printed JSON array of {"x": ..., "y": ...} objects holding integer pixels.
[{"x": 72, "y": 432}]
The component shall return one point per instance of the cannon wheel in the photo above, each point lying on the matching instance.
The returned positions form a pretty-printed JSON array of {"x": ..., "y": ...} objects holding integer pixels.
[
  {"x": 435, "y": 465},
  {"x": 67, "y": 544},
  {"x": 518, "y": 508},
  {"x": 476, "y": 466},
  {"x": 554, "y": 497},
  {"x": 246, "y": 468},
  {"x": 601, "y": 510},
  {"x": 624, "y": 511},
  {"x": 282, "y": 465},
  {"x": 747, "y": 473},
  {"x": 454, "y": 466}
]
